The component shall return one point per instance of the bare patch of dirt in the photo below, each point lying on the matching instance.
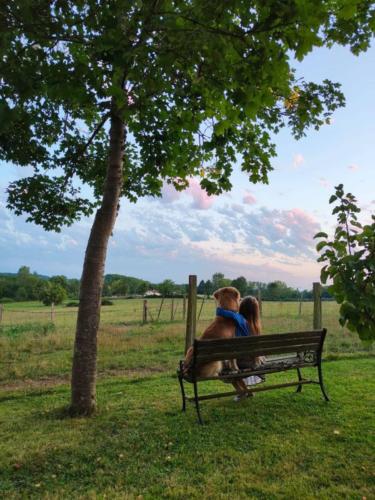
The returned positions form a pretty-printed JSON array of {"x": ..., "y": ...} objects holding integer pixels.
[{"x": 54, "y": 381}]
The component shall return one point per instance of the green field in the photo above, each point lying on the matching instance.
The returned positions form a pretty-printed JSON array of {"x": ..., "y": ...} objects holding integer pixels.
[
  {"x": 278, "y": 444},
  {"x": 31, "y": 347}
]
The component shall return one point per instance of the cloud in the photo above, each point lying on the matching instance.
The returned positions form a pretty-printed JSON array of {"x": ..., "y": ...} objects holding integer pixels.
[
  {"x": 298, "y": 160},
  {"x": 353, "y": 167},
  {"x": 169, "y": 193},
  {"x": 261, "y": 244},
  {"x": 200, "y": 199},
  {"x": 323, "y": 182},
  {"x": 249, "y": 198},
  {"x": 152, "y": 240},
  {"x": 23, "y": 243},
  {"x": 66, "y": 242}
]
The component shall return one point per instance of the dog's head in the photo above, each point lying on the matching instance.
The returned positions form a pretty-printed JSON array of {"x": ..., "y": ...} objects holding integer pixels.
[{"x": 228, "y": 298}]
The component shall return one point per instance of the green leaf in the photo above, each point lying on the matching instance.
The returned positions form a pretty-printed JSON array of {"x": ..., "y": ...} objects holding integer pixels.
[
  {"x": 321, "y": 234},
  {"x": 321, "y": 245}
]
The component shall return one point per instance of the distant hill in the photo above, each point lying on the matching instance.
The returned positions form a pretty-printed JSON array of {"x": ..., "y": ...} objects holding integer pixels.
[{"x": 12, "y": 275}]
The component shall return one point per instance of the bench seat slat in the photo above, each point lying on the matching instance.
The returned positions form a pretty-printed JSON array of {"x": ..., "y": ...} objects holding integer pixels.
[{"x": 266, "y": 370}]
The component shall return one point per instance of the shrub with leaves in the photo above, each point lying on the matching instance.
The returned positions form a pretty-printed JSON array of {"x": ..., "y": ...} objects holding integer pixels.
[
  {"x": 52, "y": 294},
  {"x": 350, "y": 264}
]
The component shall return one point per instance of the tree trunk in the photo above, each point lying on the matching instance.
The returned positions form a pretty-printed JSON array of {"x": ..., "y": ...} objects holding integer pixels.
[{"x": 83, "y": 382}]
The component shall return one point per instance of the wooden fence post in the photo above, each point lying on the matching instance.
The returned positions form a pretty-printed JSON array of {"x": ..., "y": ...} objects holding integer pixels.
[
  {"x": 1, "y": 312},
  {"x": 175, "y": 310},
  {"x": 144, "y": 312},
  {"x": 184, "y": 307},
  {"x": 300, "y": 305},
  {"x": 191, "y": 320},
  {"x": 160, "y": 308},
  {"x": 172, "y": 307},
  {"x": 260, "y": 301},
  {"x": 317, "y": 294},
  {"x": 52, "y": 312},
  {"x": 200, "y": 310}
]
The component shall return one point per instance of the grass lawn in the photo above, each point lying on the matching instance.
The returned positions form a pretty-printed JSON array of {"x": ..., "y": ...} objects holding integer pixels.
[{"x": 278, "y": 444}]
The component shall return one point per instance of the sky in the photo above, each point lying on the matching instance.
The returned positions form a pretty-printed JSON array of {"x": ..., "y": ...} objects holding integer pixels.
[{"x": 262, "y": 232}]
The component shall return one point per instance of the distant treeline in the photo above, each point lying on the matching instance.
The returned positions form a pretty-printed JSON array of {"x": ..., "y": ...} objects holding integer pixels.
[
  {"x": 25, "y": 285},
  {"x": 275, "y": 290}
]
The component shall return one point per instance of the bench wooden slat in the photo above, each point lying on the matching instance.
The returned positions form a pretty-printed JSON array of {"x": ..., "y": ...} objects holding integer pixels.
[
  {"x": 249, "y": 346},
  {"x": 270, "y": 335},
  {"x": 314, "y": 334},
  {"x": 269, "y": 339},
  {"x": 260, "y": 371},
  {"x": 221, "y": 356}
]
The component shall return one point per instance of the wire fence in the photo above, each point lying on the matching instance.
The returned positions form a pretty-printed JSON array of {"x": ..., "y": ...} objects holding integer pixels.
[
  {"x": 36, "y": 342},
  {"x": 131, "y": 312}
]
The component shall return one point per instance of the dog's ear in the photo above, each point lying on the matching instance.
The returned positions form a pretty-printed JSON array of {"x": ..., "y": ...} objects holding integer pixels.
[{"x": 217, "y": 294}]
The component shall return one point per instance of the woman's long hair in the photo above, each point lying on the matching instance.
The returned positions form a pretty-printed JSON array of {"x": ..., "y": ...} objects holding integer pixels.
[{"x": 249, "y": 308}]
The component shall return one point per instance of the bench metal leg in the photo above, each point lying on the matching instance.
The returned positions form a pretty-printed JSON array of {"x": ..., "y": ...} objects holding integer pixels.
[
  {"x": 321, "y": 382},
  {"x": 197, "y": 403},
  {"x": 180, "y": 379},
  {"x": 299, "y": 388}
]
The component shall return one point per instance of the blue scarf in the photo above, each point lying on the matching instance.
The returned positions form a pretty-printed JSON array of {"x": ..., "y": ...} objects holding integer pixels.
[{"x": 242, "y": 327}]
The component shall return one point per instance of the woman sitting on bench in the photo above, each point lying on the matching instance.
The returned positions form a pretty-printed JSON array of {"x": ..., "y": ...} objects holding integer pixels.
[{"x": 249, "y": 308}]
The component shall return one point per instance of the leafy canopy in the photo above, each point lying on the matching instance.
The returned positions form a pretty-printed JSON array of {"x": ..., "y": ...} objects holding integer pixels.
[
  {"x": 52, "y": 293},
  {"x": 198, "y": 85},
  {"x": 350, "y": 258}
]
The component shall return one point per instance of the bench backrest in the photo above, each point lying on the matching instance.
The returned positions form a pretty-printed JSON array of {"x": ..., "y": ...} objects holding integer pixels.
[{"x": 309, "y": 342}]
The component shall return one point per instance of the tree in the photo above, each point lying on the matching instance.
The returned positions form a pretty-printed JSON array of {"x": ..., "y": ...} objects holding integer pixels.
[
  {"x": 142, "y": 287},
  {"x": 73, "y": 288},
  {"x": 60, "y": 280},
  {"x": 28, "y": 284},
  {"x": 167, "y": 288},
  {"x": 123, "y": 95},
  {"x": 120, "y": 287},
  {"x": 201, "y": 287},
  {"x": 209, "y": 289},
  {"x": 278, "y": 290},
  {"x": 52, "y": 293},
  {"x": 241, "y": 285},
  {"x": 350, "y": 259},
  {"x": 217, "y": 280}
]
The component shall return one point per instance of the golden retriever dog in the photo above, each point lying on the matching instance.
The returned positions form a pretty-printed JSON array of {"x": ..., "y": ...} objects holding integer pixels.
[{"x": 221, "y": 328}]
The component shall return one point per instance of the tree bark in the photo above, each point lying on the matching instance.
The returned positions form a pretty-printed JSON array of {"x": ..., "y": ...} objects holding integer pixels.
[{"x": 83, "y": 383}]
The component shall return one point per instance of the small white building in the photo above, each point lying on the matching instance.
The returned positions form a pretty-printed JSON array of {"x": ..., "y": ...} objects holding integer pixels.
[{"x": 152, "y": 293}]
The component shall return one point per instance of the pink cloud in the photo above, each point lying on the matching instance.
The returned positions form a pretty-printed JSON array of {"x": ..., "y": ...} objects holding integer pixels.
[
  {"x": 201, "y": 200},
  {"x": 281, "y": 229},
  {"x": 305, "y": 223},
  {"x": 298, "y": 160},
  {"x": 323, "y": 182},
  {"x": 249, "y": 198}
]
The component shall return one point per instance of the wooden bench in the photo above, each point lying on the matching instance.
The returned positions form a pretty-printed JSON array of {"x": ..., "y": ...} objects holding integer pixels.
[{"x": 283, "y": 351}]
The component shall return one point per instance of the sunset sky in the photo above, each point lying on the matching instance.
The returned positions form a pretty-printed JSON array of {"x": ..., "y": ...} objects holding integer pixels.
[{"x": 263, "y": 232}]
